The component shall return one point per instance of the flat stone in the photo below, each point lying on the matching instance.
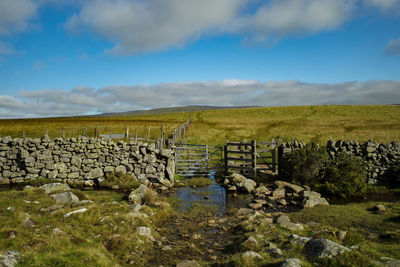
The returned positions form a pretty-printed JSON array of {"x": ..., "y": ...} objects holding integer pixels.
[
  {"x": 252, "y": 255},
  {"x": 250, "y": 243},
  {"x": 285, "y": 222},
  {"x": 278, "y": 193},
  {"x": 256, "y": 206},
  {"x": 75, "y": 212},
  {"x": 55, "y": 187},
  {"x": 65, "y": 197},
  {"x": 314, "y": 201},
  {"x": 237, "y": 178}
]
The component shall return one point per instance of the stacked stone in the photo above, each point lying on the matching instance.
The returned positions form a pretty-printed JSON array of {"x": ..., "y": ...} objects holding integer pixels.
[
  {"x": 83, "y": 161},
  {"x": 378, "y": 156}
]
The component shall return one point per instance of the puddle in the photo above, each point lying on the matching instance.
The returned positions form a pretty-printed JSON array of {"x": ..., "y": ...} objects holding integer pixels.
[{"x": 210, "y": 195}]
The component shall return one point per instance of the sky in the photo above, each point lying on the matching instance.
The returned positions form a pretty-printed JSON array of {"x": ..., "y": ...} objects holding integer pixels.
[{"x": 77, "y": 57}]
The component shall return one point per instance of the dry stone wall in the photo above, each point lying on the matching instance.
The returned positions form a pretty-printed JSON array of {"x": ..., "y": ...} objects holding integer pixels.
[
  {"x": 379, "y": 157},
  {"x": 83, "y": 161}
]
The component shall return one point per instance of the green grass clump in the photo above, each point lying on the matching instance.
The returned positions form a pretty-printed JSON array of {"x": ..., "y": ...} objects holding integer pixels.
[
  {"x": 123, "y": 181},
  {"x": 200, "y": 210},
  {"x": 198, "y": 181}
]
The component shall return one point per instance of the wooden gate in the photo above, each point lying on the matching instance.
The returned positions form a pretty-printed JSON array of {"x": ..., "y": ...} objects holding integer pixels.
[
  {"x": 197, "y": 160},
  {"x": 251, "y": 158}
]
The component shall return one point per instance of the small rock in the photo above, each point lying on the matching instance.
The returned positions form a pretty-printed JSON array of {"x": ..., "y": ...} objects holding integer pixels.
[
  {"x": 323, "y": 247},
  {"x": 75, "y": 211},
  {"x": 145, "y": 232},
  {"x": 340, "y": 235},
  {"x": 278, "y": 193},
  {"x": 300, "y": 240},
  {"x": 285, "y": 222},
  {"x": 52, "y": 208},
  {"x": 252, "y": 255},
  {"x": 29, "y": 188},
  {"x": 256, "y": 206},
  {"x": 232, "y": 188},
  {"x": 380, "y": 209},
  {"x": 166, "y": 248},
  {"x": 281, "y": 201},
  {"x": 12, "y": 209},
  {"x": 57, "y": 231},
  {"x": 250, "y": 243},
  {"x": 291, "y": 262},
  {"x": 137, "y": 195},
  {"x": 29, "y": 223},
  {"x": 10, "y": 258},
  {"x": 292, "y": 188}
]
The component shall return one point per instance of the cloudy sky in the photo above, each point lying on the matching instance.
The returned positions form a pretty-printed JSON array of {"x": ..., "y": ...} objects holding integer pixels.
[{"x": 74, "y": 57}]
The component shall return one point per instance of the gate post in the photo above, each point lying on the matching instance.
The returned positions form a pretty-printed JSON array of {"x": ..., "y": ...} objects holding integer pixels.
[{"x": 226, "y": 158}]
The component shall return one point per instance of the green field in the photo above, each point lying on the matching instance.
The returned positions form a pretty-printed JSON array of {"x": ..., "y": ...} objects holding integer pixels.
[{"x": 304, "y": 123}]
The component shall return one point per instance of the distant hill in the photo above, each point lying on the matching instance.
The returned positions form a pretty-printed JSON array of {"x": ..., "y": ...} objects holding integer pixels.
[{"x": 165, "y": 111}]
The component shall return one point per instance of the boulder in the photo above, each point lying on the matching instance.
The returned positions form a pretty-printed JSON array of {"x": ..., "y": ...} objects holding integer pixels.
[
  {"x": 292, "y": 188},
  {"x": 9, "y": 258},
  {"x": 237, "y": 178},
  {"x": 55, "y": 187},
  {"x": 137, "y": 195},
  {"x": 65, "y": 197},
  {"x": 322, "y": 247},
  {"x": 247, "y": 185},
  {"x": 261, "y": 190},
  {"x": 291, "y": 262}
]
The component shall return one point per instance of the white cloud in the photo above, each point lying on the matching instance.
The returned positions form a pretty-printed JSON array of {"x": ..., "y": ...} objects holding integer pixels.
[
  {"x": 279, "y": 18},
  {"x": 15, "y": 15},
  {"x": 393, "y": 47},
  {"x": 143, "y": 26},
  {"x": 384, "y": 5},
  {"x": 86, "y": 100}
]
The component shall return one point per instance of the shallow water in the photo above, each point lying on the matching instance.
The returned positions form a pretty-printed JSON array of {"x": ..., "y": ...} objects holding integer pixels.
[{"x": 211, "y": 195}]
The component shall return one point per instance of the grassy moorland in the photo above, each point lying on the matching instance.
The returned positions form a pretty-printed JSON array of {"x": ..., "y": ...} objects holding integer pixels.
[{"x": 304, "y": 123}]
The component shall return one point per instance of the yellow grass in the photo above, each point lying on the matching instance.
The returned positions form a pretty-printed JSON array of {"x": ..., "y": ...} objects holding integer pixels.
[{"x": 304, "y": 123}]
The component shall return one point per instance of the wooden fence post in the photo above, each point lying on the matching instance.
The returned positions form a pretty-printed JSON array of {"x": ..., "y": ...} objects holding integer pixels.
[
  {"x": 46, "y": 132},
  {"x": 254, "y": 158},
  {"x": 23, "y": 133},
  {"x": 148, "y": 133},
  {"x": 73, "y": 129},
  {"x": 136, "y": 135},
  {"x": 226, "y": 157},
  {"x": 127, "y": 132},
  {"x": 63, "y": 132}
]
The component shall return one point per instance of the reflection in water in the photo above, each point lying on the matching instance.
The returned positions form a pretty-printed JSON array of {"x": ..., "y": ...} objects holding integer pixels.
[{"x": 211, "y": 195}]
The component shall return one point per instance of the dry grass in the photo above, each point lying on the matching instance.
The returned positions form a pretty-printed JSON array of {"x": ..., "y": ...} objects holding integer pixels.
[{"x": 305, "y": 123}]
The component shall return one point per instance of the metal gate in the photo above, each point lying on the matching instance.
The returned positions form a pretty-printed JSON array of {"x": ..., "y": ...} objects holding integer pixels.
[{"x": 198, "y": 160}]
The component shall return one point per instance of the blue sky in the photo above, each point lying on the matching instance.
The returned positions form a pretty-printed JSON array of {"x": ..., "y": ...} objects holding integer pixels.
[{"x": 60, "y": 57}]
